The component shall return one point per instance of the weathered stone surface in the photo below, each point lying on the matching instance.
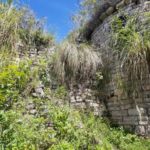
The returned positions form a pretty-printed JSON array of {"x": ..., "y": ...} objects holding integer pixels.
[
  {"x": 140, "y": 130},
  {"x": 148, "y": 129},
  {"x": 110, "y": 10},
  {"x": 120, "y": 5},
  {"x": 114, "y": 108},
  {"x": 126, "y": 106},
  {"x": 119, "y": 113},
  {"x": 30, "y": 106},
  {"x": 33, "y": 112},
  {"x": 38, "y": 91},
  {"x": 130, "y": 120},
  {"x": 136, "y": 111},
  {"x": 127, "y": 109}
]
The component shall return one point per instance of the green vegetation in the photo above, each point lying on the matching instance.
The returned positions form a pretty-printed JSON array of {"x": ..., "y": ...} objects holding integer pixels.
[
  {"x": 60, "y": 127},
  {"x": 19, "y": 30},
  {"x": 131, "y": 44},
  {"x": 29, "y": 122},
  {"x": 76, "y": 63},
  {"x": 13, "y": 79}
]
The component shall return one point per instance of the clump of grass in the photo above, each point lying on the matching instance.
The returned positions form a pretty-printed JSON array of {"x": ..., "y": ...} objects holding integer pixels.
[
  {"x": 132, "y": 45},
  {"x": 76, "y": 62}
]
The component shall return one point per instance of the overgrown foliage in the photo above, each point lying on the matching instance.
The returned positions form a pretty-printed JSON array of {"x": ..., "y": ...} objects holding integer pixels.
[
  {"x": 19, "y": 30},
  {"x": 13, "y": 80},
  {"x": 76, "y": 62},
  {"x": 56, "y": 127},
  {"x": 131, "y": 43},
  {"x": 29, "y": 123}
]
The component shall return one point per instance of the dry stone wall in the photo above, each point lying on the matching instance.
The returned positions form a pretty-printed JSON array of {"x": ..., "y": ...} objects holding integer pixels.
[
  {"x": 132, "y": 112},
  {"x": 84, "y": 98}
]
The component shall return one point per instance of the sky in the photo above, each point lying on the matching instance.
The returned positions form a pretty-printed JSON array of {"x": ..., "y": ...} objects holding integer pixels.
[{"x": 57, "y": 13}]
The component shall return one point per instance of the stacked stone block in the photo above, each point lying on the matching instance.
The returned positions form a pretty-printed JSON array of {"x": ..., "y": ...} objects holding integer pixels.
[
  {"x": 132, "y": 112},
  {"x": 85, "y": 99}
]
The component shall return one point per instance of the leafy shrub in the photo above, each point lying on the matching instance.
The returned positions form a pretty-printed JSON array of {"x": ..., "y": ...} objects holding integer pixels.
[
  {"x": 13, "y": 79},
  {"x": 54, "y": 127},
  {"x": 62, "y": 128},
  {"x": 125, "y": 141}
]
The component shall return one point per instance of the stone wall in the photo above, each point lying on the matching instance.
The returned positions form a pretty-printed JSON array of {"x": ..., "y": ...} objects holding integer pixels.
[
  {"x": 106, "y": 9},
  {"x": 131, "y": 112},
  {"x": 84, "y": 98}
]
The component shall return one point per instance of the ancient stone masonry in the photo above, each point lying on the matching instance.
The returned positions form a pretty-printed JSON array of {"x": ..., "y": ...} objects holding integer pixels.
[
  {"x": 84, "y": 98},
  {"x": 104, "y": 11},
  {"x": 132, "y": 112}
]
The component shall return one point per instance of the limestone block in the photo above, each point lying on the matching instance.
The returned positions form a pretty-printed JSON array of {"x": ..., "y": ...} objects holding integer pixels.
[
  {"x": 90, "y": 104},
  {"x": 30, "y": 106},
  {"x": 118, "y": 118},
  {"x": 146, "y": 87},
  {"x": 72, "y": 99},
  {"x": 79, "y": 99},
  {"x": 147, "y": 94},
  {"x": 118, "y": 92},
  {"x": 136, "y": 112},
  {"x": 96, "y": 113},
  {"x": 103, "y": 16},
  {"x": 140, "y": 130},
  {"x": 114, "y": 108},
  {"x": 79, "y": 105},
  {"x": 34, "y": 95},
  {"x": 95, "y": 105},
  {"x": 147, "y": 100},
  {"x": 143, "y": 118},
  {"x": 113, "y": 99},
  {"x": 130, "y": 120},
  {"x": 83, "y": 96},
  {"x": 87, "y": 100},
  {"x": 33, "y": 112},
  {"x": 120, "y": 5},
  {"x": 126, "y": 102},
  {"x": 110, "y": 10},
  {"x": 146, "y": 5},
  {"x": 149, "y": 111},
  {"x": 71, "y": 93},
  {"x": 148, "y": 129},
  {"x": 138, "y": 100},
  {"x": 143, "y": 122},
  {"x": 39, "y": 92},
  {"x": 113, "y": 105},
  {"x": 127, "y": 2},
  {"x": 126, "y": 106},
  {"x": 119, "y": 113}
]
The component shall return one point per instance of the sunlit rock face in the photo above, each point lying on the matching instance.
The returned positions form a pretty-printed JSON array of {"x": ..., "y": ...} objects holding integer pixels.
[{"x": 132, "y": 112}]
